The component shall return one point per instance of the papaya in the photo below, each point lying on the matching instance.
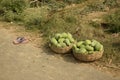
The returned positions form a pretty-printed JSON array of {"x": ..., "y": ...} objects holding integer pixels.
[
  {"x": 74, "y": 46},
  {"x": 61, "y": 40},
  {"x": 89, "y": 48},
  {"x": 87, "y": 42},
  {"x": 69, "y": 35},
  {"x": 82, "y": 46},
  {"x": 67, "y": 42},
  {"x": 57, "y": 36},
  {"x": 79, "y": 43},
  {"x": 93, "y": 43},
  {"x": 101, "y": 48},
  {"x": 64, "y": 35},
  {"x": 54, "y": 41},
  {"x": 71, "y": 40},
  {"x": 98, "y": 47},
  {"x": 63, "y": 44},
  {"x": 82, "y": 50},
  {"x": 76, "y": 50},
  {"x": 58, "y": 45}
]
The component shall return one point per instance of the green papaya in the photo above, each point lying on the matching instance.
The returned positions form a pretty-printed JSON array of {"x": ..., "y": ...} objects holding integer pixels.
[
  {"x": 58, "y": 45},
  {"x": 67, "y": 42},
  {"x": 82, "y": 50},
  {"x": 71, "y": 40},
  {"x": 89, "y": 48},
  {"x": 53, "y": 41},
  {"x": 98, "y": 47},
  {"x": 94, "y": 42},
  {"x": 79, "y": 43},
  {"x": 74, "y": 46},
  {"x": 57, "y": 36},
  {"x": 63, "y": 44},
  {"x": 61, "y": 40},
  {"x": 64, "y": 35},
  {"x": 76, "y": 50},
  {"x": 87, "y": 42},
  {"x": 101, "y": 48},
  {"x": 69, "y": 35},
  {"x": 82, "y": 46}
]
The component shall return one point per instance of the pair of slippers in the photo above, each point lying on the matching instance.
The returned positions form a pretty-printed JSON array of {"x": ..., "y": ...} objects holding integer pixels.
[{"x": 20, "y": 40}]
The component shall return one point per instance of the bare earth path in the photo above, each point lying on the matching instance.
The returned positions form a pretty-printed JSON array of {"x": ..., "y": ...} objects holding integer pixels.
[{"x": 25, "y": 62}]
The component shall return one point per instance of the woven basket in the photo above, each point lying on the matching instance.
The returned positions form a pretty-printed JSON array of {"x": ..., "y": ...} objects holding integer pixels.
[
  {"x": 88, "y": 57},
  {"x": 60, "y": 50}
]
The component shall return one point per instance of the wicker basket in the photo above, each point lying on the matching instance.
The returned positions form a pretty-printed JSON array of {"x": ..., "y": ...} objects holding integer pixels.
[
  {"x": 60, "y": 50},
  {"x": 89, "y": 57}
]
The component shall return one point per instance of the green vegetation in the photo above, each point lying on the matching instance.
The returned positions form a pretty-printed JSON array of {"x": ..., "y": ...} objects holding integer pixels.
[
  {"x": 35, "y": 18},
  {"x": 74, "y": 1},
  {"x": 12, "y": 9},
  {"x": 111, "y": 3},
  {"x": 113, "y": 21},
  {"x": 97, "y": 6}
]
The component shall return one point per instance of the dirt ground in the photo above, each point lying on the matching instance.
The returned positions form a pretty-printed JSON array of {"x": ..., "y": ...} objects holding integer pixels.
[{"x": 27, "y": 62}]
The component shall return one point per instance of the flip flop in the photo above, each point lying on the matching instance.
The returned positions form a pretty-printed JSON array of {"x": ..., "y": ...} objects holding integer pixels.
[{"x": 20, "y": 40}]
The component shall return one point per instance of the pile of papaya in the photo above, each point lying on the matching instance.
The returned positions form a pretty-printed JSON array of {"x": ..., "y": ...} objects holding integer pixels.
[
  {"x": 87, "y": 47},
  {"x": 62, "y": 40}
]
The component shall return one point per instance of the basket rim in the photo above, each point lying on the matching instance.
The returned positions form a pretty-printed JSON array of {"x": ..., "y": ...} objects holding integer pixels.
[
  {"x": 95, "y": 52},
  {"x": 50, "y": 44},
  {"x": 60, "y": 49}
]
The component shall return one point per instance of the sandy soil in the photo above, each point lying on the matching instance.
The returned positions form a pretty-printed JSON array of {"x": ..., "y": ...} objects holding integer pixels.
[{"x": 26, "y": 62}]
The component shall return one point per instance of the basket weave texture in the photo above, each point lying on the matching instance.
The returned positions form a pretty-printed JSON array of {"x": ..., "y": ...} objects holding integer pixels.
[
  {"x": 60, "y": 50},
  {"x": 88, "y": 57}
]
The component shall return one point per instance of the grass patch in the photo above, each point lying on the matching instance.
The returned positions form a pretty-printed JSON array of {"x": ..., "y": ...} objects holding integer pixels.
[
  {"x": 113, "y": 21},
  {"x": 112, "y": 50},
  {"x": 10, "y": 10},
  {"x": 36, "y": 19}
]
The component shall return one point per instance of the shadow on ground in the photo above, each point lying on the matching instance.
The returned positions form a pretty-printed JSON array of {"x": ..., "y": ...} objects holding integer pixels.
[{"x": 116, "y": 44}]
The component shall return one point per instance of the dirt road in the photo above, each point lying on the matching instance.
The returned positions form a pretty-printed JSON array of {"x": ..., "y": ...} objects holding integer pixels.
[{"x": 25, "y": 62}]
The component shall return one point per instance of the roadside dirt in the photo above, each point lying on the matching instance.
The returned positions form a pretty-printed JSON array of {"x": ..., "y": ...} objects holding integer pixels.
[{"x": 28, "y": 62}]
